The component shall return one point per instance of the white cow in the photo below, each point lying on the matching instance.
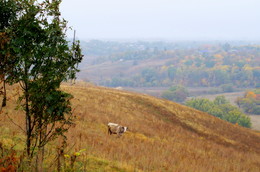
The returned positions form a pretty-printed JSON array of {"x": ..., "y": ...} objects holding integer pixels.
[{"x": 116, "y": 129}]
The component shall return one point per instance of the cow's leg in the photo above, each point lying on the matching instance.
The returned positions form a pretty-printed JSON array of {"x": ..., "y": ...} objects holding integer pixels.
[
  {"x": 108, "y": 131},
  {"x": 119, "y": 135}
]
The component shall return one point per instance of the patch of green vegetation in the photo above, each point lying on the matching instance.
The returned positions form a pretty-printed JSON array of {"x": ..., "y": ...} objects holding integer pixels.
[
  {"x": 222, "y": 109},
  {"x": 176, "y": 93},
  {"x": 250, "y": 103},
  {"x": 11, "y": 141}
]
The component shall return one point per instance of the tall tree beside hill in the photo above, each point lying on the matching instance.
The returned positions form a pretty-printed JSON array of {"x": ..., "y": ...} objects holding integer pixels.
[{"x": 43, "y": 59}]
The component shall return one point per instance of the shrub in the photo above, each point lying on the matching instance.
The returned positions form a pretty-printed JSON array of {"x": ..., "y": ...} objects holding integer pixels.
[
  {"x": 219, "y": 100},
  {"x": 222, "y": 109},
  {"x": 235, "y": 116},
  {"x": 176, "y": 93},
  {"x": 250, "y": 103}
]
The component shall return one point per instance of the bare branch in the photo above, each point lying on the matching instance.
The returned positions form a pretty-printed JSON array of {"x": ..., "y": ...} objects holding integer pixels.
[
  {"x": 22, "y": 86},
  {"x": 15, "y": 123}
]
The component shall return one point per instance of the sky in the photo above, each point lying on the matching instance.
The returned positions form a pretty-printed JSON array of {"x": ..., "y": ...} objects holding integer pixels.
[{"x": 163, "y": 19}]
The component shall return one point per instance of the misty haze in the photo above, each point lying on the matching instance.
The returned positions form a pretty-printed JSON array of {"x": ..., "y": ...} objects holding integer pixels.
[{"x": 164, "y": 19}]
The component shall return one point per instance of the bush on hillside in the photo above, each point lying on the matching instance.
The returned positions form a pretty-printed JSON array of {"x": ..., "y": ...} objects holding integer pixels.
[
  {"x": 176, "y": 93},
  {"x": 222, "y": 109}
]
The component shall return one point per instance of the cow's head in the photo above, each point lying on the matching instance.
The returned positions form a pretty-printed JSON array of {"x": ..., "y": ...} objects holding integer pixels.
[{"x": 125, "y": 128}]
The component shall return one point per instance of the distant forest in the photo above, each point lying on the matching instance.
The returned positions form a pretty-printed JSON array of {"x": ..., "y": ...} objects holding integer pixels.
[{"x": 192, "y": 64}]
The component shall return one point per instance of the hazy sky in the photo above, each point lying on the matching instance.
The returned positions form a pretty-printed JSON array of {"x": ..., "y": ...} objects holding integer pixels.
[{"x": 164, "y": 19}]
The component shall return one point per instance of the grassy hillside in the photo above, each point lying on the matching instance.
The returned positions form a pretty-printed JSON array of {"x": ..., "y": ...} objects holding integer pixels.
[{"x": 163, "y": 136}]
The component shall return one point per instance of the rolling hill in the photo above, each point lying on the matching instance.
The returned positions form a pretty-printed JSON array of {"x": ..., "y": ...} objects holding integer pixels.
[{"x": 162, "y": 136}]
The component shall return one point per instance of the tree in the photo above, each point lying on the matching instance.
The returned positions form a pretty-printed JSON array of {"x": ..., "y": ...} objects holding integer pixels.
[
  {"x": 250, "y": 102},
  {"x": 176, "y": 93},
  {"x": 209, "y": 62},
  {"x": 226, "y": 46},
  {"x": 171, "y": 72},
  {"x": 8, "y": 12},
  {"x": 250, "y": 95},
  {"x": 201, "y": 104},
  {"x": 219, "y": 100},
  {"x": 169, "y": 95},
  {"x": 43, "y": 59},
  {"x": 149, "y": 75},
  {"x": 235, "y": 116}
]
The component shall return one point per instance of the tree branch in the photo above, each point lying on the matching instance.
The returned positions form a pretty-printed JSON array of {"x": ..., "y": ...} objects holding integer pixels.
[{"x": 15, "y": 123}]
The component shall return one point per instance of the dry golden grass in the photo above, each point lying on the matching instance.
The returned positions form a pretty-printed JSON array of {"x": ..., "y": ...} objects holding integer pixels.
[{"x": 163, "y": 136}]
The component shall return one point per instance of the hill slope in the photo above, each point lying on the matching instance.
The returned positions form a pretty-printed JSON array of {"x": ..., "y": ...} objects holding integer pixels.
[{"x": 163, "y": 136}]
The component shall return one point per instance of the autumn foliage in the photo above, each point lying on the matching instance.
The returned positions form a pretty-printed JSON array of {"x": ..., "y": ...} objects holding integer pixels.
[
  {"x": 250, "y": 103},
  {"x": 8, "y": 160}
]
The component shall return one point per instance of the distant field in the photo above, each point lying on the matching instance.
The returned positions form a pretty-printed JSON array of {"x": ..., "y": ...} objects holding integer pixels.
[{"x": 255, "y": 121}]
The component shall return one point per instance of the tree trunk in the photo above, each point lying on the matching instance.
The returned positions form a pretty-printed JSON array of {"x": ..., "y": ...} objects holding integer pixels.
[
  {"x": 4, "y": 94},
  {"x": 40, "y": 153},
  {"x": 60, "y": 152},
  {"x": 39, "y": 159},
  {"x": 28, "y": 121}
]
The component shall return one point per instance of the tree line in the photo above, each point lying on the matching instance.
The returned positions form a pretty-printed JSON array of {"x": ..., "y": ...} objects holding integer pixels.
[{"x": 194, "y": 66}]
